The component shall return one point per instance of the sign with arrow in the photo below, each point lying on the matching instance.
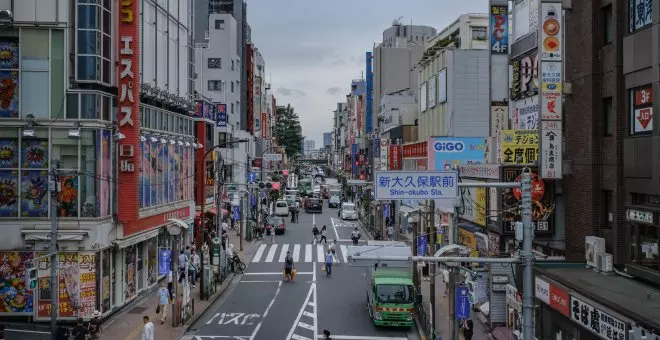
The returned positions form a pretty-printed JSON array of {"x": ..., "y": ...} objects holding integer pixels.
[
  {"x": 462, "y": 302},
  {"x": 252, "y": 177}
]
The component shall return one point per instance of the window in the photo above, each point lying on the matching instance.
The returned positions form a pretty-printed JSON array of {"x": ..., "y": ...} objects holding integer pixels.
[
  {"x": 607, "y": 24},
  {"x": 479, "y": 33},
  {"x": 648, "y": 246},
  {"x": 90, "y": 106},
  {"x": 94, "y": 44},
  {"x": 641, "y": 110},
  {"x": 89, "y": 181},
  {"x": 640, "y": 14},
  {"x": 608, "y": 208},
  {"x": 215, "y": 85},
  {"x": 232, "y": 65},
  {"x": 608, "y": 119},
  {"x": 35, "y": 81},
  {"x": 219, "y": 24},
  {"x": 215, "y": 63},
  {"x": 232, "y": 87},
  {"x": 232, "y": 108}
]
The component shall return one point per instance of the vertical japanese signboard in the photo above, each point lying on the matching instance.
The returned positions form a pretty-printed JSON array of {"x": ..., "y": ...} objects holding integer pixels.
[
  {"x": 395, "y": 162},
  {"x": 641, "y": 110},
  {"x": 87, "y": 284},
  {"x": 520, "y": 146},
  {"x": 376, "y": 145},
  {"x": 499, "y": 120},
  {"x": 128, "y": 85},
  {"x": 550, "y": 88},
  {"x": 384, "y": 151},
  {"x": 264, "y": 126},
  {"x": 221, "y": 115},
  {"x": 499, "y": 29}
]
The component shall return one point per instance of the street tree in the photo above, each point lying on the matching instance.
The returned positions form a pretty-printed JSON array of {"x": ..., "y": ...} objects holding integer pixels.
[{"x": 289, "y": 131}]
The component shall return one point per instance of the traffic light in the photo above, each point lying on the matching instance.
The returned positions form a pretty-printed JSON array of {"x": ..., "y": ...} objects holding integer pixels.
[
  {"x": 265, "y": 185},
  {"x": 31, "y": 277},
  {"x": 276, "y": 186}
]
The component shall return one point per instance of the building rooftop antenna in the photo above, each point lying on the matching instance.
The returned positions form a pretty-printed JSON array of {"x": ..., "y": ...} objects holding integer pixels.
[{"x": 398, "y": 21}]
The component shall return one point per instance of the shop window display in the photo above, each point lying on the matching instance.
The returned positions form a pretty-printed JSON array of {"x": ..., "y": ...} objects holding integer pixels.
[
  {"x": 152, "y": 261},
  {"x": 9, "y": 78},
  {"x": 130, "y": 272}
]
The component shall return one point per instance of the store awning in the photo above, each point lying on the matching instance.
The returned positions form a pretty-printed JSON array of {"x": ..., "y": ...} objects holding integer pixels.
[
  {"x": 406, "y": 210},
  {"x": 62, "y": 235},
  {"x": 127, "y": 242},
  {"x": 213, "y": 211}
]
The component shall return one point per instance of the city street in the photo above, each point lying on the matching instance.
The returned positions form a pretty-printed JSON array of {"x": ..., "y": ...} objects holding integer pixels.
[{"x": 262, "y": 306}]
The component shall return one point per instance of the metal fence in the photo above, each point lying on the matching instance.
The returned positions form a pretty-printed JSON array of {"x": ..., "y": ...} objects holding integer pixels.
[{"x": 425, "y": 314}]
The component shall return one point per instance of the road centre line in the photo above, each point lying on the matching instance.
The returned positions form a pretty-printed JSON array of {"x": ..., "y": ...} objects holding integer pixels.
[
  {"x": 332, "y": 220},
  {"x": 357, "y": 337},
  {"x": 272, "y": 281},
  {"x": 270, "y": 305}
]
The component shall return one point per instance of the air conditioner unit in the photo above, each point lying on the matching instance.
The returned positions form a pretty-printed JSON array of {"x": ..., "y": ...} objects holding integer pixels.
[
  {"x": 593, "y": 246},
  {"x": 604, "y": 262},
  {"x": 6, "y": 17}
]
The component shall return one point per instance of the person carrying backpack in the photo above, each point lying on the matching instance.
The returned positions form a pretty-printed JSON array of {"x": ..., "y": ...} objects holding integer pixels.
[
  {"x": 315, "y": 233},
  {"x": 288, "y": 267}
]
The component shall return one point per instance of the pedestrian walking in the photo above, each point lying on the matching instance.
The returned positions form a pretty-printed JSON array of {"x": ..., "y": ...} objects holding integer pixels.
[
  {"x": 315, "y": 233},
  {"x": 324, "y": 234},
  {"x": 148, "y": 330},
  {"x": 79, "y": 332},
  {"x": 468, "y": 329},
  {"x": 183, "y": 265},
  {"x": 193, "y": 268},
  {"x": 333, "y": 249},
  {"x": 390, "y": 233},
  {"x": 170, "y": 286},
  {"x": 95, "y": 326},
  {"x": 288, "y": 267},
  {"x": 355, "y": 236},
  {"x": 328, "y": 263},
  {"x": 164, "y": 298}
]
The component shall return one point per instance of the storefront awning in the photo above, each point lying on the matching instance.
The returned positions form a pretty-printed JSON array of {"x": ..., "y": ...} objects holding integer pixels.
[
  {"x": 62, "y": 235},
  {"x": 213, "y": 211},
  {"x": 127, "y": 242},
  {"x": 406, "y": 210}
]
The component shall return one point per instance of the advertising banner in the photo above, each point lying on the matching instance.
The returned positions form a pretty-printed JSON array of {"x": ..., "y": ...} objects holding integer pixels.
[
  {"x": 605, "y": 326},
  {"x": 221, "y": 115},
  {"x": 395, "y": 157},
  {"x": 384, "y": 153},
  {"x": 376, "y": 151},
  {"x": 499, "y": 120},
  {"x": 525, "y": 76},
  {"x": 543, "y": 206},
  {"x": 449, "y": 153},
  {"x": 552, "y": 295},
  {"x": 354, "y": 152},
  {"x": 551, "y": 149},
  {"x": 68, "y": 285},
  {"x": 88, "y": 287},
  {"x": 520, "y": 146},
  {"x": 499, "y": 29},
  {"x": 264, "y": 126},
  {"x": 164, "y": 260},
  {"x": 15, "y": 295},
  {"x": 475, "y": 207},
  {"x": 551, "y": 34},
  {"x": 416, "y": 185},
  {"x": 526, "y": 113}
]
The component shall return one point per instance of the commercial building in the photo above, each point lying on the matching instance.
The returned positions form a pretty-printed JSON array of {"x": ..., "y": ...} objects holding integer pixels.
[
  {"x": 309, "y": 146},
  {"x": 104, "y": 95},
  {"x": 327, "y": 140}
]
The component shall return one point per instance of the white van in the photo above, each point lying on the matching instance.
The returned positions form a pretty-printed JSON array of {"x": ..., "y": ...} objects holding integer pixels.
[{"x": 281, "y": 208}]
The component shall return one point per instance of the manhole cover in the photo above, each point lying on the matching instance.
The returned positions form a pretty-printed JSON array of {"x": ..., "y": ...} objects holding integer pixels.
[{"x": 137, "y": 310}]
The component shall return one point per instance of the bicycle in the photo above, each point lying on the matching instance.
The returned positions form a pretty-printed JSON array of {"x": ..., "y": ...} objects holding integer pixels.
[{"x": 237, "y": 266}]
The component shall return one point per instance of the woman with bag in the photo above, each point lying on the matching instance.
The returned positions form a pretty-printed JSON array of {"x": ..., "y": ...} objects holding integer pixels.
[{"x": 163, "y": 300}]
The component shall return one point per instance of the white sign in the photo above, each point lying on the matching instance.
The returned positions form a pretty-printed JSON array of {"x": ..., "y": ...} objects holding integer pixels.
[
  {"x": 643, "y": 120},
  {"x": 542, "y": 290},
  {"x": 499, "y": 114},
  {"x": 551, "y": 108},
  {"x": 272, "y": 157},
  {"x": 442, "y": 86},
  {"x": 493, "y": 205},
  {"x": 527, "y": 113},
  {"x": 595, "y": 320},
  {"x": 551, "y": 149},
  {"x": 432, "y": 92},
  {"x": 384, "y": 153},
  {"x": 639, "y": 216},
  {"x": 550, "y": 78},
  {"x": 526, "y": 14},
  {"x": 551, "y": 40},
  {"x": 513, "y": 297},
  {"x": 416, "y": 185},
  {"x": 422, "y": 97}
]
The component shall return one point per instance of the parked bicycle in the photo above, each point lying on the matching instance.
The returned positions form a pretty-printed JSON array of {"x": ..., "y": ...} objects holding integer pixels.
[{"x": 237, "y": 266}]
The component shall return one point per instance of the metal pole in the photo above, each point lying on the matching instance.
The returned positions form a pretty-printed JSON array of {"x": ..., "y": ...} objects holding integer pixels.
[
  {"x": 175, "y": 276},
  {"x": 241, "y": 226},
  {"x": 453, "y": 276},
  {"x": 444, "y": 259},
  {"x": 432, "y": 265},
  {"x": 527, "y": 256},
  {"x": 53, "y": 250}
]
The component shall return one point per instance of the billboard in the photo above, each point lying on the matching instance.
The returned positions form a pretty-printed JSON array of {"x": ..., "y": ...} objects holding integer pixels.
[
  {"x": 543, "y": 206},
  {"x": 221, "y": 115},
  {"x": 520, "y": 146},
  {"x": 449, "y": 153},
  {"x": 394, "y": 160},
  {"x": 370, "y": 90},
  {"x": 499, "y": 29},
  {"x": 128, "y": 103}
]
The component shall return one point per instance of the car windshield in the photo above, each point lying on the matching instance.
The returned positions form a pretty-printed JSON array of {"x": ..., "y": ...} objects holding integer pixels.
[
  {"x": 315, "y": 201},
  {"x": 334, "y": 198},
  {"x": 399, "y": 294},
  {"x": 349, "y": 207},
  {"x": 275, "y": 221},
  {"x": 281, "y": 204}
]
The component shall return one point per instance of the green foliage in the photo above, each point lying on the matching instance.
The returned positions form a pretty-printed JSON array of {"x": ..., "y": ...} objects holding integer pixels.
[
  {"x": 274, "y": 195},
  {"x": 289, "y": 131}
]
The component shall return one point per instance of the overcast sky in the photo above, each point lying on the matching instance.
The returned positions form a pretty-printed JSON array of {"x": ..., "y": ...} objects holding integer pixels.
[{"x": 313, "y": 49}]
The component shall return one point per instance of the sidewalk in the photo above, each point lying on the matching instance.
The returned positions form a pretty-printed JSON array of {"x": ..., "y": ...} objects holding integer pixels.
[{"x": 128, "y": 325}]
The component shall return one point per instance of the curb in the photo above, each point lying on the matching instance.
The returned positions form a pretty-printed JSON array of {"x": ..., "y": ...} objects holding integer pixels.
[{"x": 420, "y": 331}]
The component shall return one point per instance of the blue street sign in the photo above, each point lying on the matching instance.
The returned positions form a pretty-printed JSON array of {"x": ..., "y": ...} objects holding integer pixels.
[
  {"x": 386, "y": 210},
  {"x": 164, "y": 257},
  {"x": 262, "y": 194},
  {"x": 462, "y": 302},
  {"x": 252, "y": 177},
  {"x": 236, "y": 213},
  {"x": 422, "y": 245},
  {"x": 253, "y": 200},
  {"x": 221, "y": 115}
]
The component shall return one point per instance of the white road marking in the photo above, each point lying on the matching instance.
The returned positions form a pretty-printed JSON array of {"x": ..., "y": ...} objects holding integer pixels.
[
  {"x": 272, "y": 281},
  {"x": 308, "y": 314},
  {"x": 25, "y": 331},
  {"x": 308, "y": 253},
  {"x": 344, "y": 252},
  {"x": 270, "y": 305},
  {"x": 285, "y": 248},
  {"x": 319, "y": 253},
  {"x": 299, "y": 337},
  {"x": 277, "y": 273},
  {"x": 296, "y": 253},
  {"x": 271, "y": 253},
  {"x": 259, "y": 253},
  {"x": 304, "y": 325},
  {"x": 357, "y": 337},
  {"x": 332, "y": 220},
  {"x": 311, "y": 294}
]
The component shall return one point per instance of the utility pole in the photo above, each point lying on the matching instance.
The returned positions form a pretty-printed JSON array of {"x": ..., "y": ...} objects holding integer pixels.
[
  {"x": 527, "y": 256},
  {"x": 432, "y": 266},
  {"x": 175, "y": 276},
  {"x": 453, "y": 276},
  {"x": 54, "y": 176},
  {"x": 243, "y": 220}
]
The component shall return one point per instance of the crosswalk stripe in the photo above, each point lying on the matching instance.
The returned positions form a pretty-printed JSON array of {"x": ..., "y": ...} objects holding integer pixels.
[
  {"x": 296, "y": 253},
  {"x": 319, "y": 253},
  {"x": 344, "y": 253},
  {"x": 299, "y": 337},
  {"x": 271, "y": 253},
  {"x": 308, "y": 314},
  {"x": 304, "y": 325},
  {"x": 285, "y": 247},
  {"x": 259, "y": 253},
  {"x": 308, "y": 253}
]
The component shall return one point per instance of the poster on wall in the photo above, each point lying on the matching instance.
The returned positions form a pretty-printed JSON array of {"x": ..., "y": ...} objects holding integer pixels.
[
  {"x": 68, "y": 285},
  {"x": 67, "y": 196},
  {"x": 130, "y": 272},
  {"x": 543, "y": 205},
  {"x": 15, "y": 297},
  {"x": 34, "y": 153},
  {"x": 499, "y": 29},
  {"x": 9, "y": 94},
  {"x": 551, "y": 39},
  {"x": 154, "y": 164},
  {"x": 8, "y": 153},
  {"x": 9, "y": 193},
  {"x": 34, "y": 190},
  {"x": 88, "y": 287}
]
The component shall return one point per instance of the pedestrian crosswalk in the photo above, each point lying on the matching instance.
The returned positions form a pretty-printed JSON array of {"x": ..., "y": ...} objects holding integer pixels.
[
  {"x": 269, "y": 253},
  {"x": 337, "y": 223}
]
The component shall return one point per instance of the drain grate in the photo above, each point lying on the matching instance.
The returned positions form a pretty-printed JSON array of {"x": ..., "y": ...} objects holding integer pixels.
[{"x": 137, "y": 310}]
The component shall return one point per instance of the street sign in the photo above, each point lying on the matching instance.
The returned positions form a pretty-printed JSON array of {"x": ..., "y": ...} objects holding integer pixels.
[
  {"x": 422, "y": 245},
  {"x": 262, "y": 194},
  {"x": 416, "y": 185},
  {"x": 236, "y": 213},
  {"x": 252, "y": 177},
  {"x": 462, "y": 302},
  {"x": 272, "y": 157},
  {"x": 386, "y": 211}
]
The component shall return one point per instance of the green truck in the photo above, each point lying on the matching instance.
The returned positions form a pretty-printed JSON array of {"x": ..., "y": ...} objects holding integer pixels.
[{"x": 391, "y": 293}]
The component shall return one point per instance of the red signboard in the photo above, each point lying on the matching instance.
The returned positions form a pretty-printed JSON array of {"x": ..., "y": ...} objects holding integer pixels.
[
  {"x": 128, "y": 85},
  {"x": 643, "y": 96},
  {"x": 416, "y": 150},
  {"x": 257, "y": 162},
  {"x": 559, "y": 300},
  {"x": 395, "y": 157},
  {"x": 264, "y": 125},
  {"x": 156, "y": 220}
]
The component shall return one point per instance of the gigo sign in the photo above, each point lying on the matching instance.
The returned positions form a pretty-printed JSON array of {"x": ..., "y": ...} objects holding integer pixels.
[
  {"x": 128, "y": 83},
  {"x": 449, "y": 146}
]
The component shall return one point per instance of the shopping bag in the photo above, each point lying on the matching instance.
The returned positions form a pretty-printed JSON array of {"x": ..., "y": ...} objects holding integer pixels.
[
  {"x": 323, "y": 267},
  {"x": 157, "y": 309},
  {"x": 293, "y": 273}
]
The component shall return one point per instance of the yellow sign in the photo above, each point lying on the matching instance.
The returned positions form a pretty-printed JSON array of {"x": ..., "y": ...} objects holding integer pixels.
[
  {"x": 480, "y": 202},
  {"x": 520, "y": 146},
  {"x": 467, "y": 238}
]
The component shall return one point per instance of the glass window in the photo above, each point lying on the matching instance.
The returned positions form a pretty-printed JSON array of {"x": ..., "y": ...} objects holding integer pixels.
[
  {"x": 170, "y": 119},
  {"x": 89, "y": 147},
  {"x": 640, "y": 14},
  {"x": 34, "y": 49},
  {"x": 479, "y": 33},
  {"x": 648, "y": 246},
  {"x": 57, "y": 82},
  {"x": 214, "y": 63},
  {"x": 72, "y": 106},
  {"x": 103, "y": 172},
  {"x": 90, "y": 106},
  {"x": 219, "y": 24},
  {"x": 106, "y": 107},
  {"x": 215, "y": 85},
  {"x": 106, "y": 71},
  {"x": 608, "y": 119},
  {"x": 107, "y": 22},
  {"x": 232, "y": 108},
  {"x": 10, "y": 79},
  {"x": 89, "y": 68},
  {"x": 64, "y": 149},
  {"x": 34, "y": 92},
  {"x": 89, "y": 42},
  {"x": 232, "y": 86},
  {"x": 152, "y": 122},
  {"x": 88, "y": 16},
  {"x": 607, "y": 24}
]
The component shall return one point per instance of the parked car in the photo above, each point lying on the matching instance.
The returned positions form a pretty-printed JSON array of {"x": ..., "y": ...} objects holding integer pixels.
[
  {"x": 348, "y": 211},
  {"x": 334, "y": 202},
  {"x": 314, "y": 205},
  {"x": 277, "y": 223},
  {"x": 281, "y": 208}
]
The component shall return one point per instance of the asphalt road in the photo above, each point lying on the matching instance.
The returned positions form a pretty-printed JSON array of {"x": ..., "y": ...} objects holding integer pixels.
[{"x": 260, "y": 305}]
